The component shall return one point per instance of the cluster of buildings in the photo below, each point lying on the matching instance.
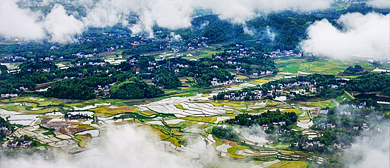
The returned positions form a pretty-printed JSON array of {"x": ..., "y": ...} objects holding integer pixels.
[
  {"x": 262, "y": 73},
  {"x": 175, "y": 43},
  {"x": 4, "y": 130},
  {"x": 286, "y": 53},
  {"x": 311, "y": 144},
  {"x": 318, "y": 111},
  {"x": 9, "y": 95},
  {"x": 217, "y": 82},
  {"x": 255, "y": 95},
  {"x": 290, "y": 89},
  {"x": 231, "y": 54},
  {"x": 197, "y": 43},
  {"x": 103, "y": 91},
  {"x": 240, "y": 50},
  {"x": 17, "y": 58},
  {"x": 317, "y": 159},
  {"x": 23, "y": 144},
  {"x": 93, "y": 63}
]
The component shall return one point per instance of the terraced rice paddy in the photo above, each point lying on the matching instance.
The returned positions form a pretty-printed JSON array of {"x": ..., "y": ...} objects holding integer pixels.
[
  {"x": 18, "y": 118},
  {"x": 174, "y": 118},
  {"x": 201, "y": 119},
  {"x": 305, "y": 124},
  {"x": 61, "y": 141},
  {"x": 108, "y": 111},
  {"x": 290, "y": 164},
  {"x": 182, "y": 107},
  {"x": 259, "y": 81}
]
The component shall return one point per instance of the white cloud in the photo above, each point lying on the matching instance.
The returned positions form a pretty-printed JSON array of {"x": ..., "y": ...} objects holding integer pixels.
[
  {"x": 129, "y": 146},
  {"x": 171, "y": 14},
  {"x": 61, "y": 26},
  {"x": 109, "y": 12},
  {"x": 240, "y": 11},
  {"x": 364, "y": 36},
  {"x": 125, "y": 146},
  {"x": 20, "y": 23},
  {"x": 254, "y": 134},
  {"x": 383, "y": 4},
  {"x": 26, "y": 25}
]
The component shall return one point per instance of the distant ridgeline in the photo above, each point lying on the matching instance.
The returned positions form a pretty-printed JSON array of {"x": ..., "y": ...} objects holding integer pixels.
[{"x": 289, "y": 29}]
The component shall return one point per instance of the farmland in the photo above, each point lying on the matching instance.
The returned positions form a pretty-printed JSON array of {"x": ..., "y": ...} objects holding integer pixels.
[{"x": 184, "y": 112}]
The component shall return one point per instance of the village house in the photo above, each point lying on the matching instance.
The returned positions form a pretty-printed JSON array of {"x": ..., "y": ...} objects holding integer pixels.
[{"x": 9, "y": 95}]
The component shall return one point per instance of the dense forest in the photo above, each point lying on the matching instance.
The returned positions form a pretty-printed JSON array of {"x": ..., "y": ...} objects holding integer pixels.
[
  {"x": 268, "y": 118},
  {"x": 225, "y": 133},
  {"x": 204, "y": 73},
  {"x": 166, "y": 79},
  {"x": 135, "y": 89},
  {"x": 372, "y": 82},
  {"x": 357, "y": 69}
]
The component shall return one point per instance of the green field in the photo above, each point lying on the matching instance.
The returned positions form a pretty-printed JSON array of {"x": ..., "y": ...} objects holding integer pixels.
[
  {"x": 320, "y": 66},
  {"x": 106, "y": 111},
  {"x": 320, "y": 104},
  {"x": 323, "y": 66}
]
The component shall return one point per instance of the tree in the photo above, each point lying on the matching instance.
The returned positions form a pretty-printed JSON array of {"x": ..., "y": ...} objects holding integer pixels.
[
  {"x": 135, "y": 89},
  {"x": 3, "y": 69},
  {"x": 71, "y": 89},
  {"x": 167, "y": 79}
]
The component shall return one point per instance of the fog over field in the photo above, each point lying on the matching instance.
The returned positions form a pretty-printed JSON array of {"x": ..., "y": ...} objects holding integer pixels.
[
  {"x": 121, "y": 147},
  {"x": 128, "y": 146},
  {"x": 136, "y": 146},
  {"x": 372, "y": 153}
]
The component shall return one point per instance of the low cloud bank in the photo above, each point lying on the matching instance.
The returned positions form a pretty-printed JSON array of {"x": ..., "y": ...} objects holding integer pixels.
[
  {"x": 254, "y": 134},
  {"x": 370, "y": 149},
  {"x": 125, "y": 146},
  {"x": 18, "y": 22},
  {"x": 382, "y": 4},
  {"x": 129, "y": 146},
  {"x": 58, "y": 26},
  {"x": 364, "y": 36}
]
